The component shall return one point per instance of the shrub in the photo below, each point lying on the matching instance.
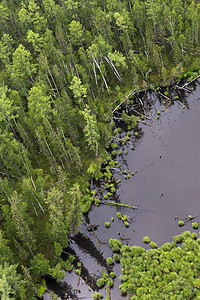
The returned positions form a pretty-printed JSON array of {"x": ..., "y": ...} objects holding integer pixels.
[
  {"x": 116, "y": 257},
  {"x": 146, "y": 239},
  {"x": 166, "y": 247},
  {"x": 153, "y": 245},
  {"x": 112, "y": 275},
  {"x": 109, "y": 261},
  {"x": 195, "y": 225},
  {"x": 78, "y": 272},
  {"x": 113, "y": 153},
  {"x": 113, "y": 145},
  {"x": 109, "y": 283},
  {"x": 100, "y": 282},
  {"x": 112, "y": 190},
  {"x": 194, "y": 236},
  {"x": 97, "y": 296},
  {"x": 178, "y": 238},
  {"x": 181, "y": 223},
  {"x": 123, "y": 278},
  {"x": 115, "y": 245}
]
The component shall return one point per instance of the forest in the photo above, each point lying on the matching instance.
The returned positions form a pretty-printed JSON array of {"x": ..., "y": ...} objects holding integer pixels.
[{"x": 64, "y": 67}]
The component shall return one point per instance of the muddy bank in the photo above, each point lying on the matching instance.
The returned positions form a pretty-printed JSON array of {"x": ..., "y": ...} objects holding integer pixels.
[{"x": 164, "y": 158}]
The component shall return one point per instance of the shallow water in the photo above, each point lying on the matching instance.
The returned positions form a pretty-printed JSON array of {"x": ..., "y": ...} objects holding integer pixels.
[{"x": 166, "y": 186}]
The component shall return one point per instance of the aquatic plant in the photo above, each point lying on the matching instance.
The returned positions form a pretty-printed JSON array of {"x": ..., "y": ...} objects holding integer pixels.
[
  {"x": 195, "y": 225},
  {"x": 119, "y": 216},
  {"x": 164, "y": 273},
  {"x": 180, "y": 223},
  {"x": 78, "y": 272},
  {"x": 113, "y": 145},
  {"x": 146, "y": 239},
  {"x": 100, "y": 282},
  {"x": 113, "y": 190},
  {"x": 113, "y": 153},
  {"x": 97, "y": 296},
  {"x": 153, "y": 245},
  {"x": 112, "y": 275},
  {"x": 194, "y": 235},
  {"x": 109, "y": 261},
  {"x": 107, "y": 224},
  {"x": 115, "y": 245},
  {"x": 166, "y": 247},
  {"x": 109, "y": 282},
  {"x": 178, "y": 238},
  {"x": 124, "y": 217}
]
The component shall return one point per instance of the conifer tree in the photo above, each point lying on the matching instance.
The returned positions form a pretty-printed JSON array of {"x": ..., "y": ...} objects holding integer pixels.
[
  {"x": 75, "y": 210},
  {"x": 91, "y": 130},
  {"x": 21, "y": 223}
]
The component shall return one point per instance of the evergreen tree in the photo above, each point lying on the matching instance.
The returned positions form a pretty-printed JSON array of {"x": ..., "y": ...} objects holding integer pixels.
[{"x": 91, "y": 130}]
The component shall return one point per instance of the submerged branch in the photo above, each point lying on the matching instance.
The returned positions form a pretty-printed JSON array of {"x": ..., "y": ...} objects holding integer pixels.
[
  {"x": 96, "y": 240},
  {"x": 111, "y": 203},
  {"x": 83, "y": 281}
]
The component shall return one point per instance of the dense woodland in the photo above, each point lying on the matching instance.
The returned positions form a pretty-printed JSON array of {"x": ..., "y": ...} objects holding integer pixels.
[{"x": 64, "y": 66}]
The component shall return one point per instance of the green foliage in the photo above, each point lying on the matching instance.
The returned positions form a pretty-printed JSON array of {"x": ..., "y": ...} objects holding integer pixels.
[
  {"x": 119, "y": 216},
  {"x": 11, "y": 283},
  {"x": 153, "y": 245},
  {"x": 115, "y": 245},
  {"x": 63, "y": 69},
  {"x": 112, "y": 275},
  {"x": 107, "y": 224},
  {"x": 109, "y": 283},
  {"x": 180, "y": 223},
  {"x": 195, "y": 225},
  {"x": 97, "y": 296},
  {"x": 91, "y": 130},
  {"x": 161, "y": 273},
  {"x": 146, "y": 239},
  {"x": 57, "y": 273},
  {"x": 40, "y": 265},
  {"x": 109, "y": 261},
  {"x": 58, "y": 249},
  {"x": 116, "y": 257},
  {"x": 100, "y": 282}
]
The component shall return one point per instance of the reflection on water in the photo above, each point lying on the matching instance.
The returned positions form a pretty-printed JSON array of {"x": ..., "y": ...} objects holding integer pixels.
[{"x": 166, "y": 185}]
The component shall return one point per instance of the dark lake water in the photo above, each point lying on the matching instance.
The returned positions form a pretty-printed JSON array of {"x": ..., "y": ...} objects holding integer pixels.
[{"x": 167, "y": 185}]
